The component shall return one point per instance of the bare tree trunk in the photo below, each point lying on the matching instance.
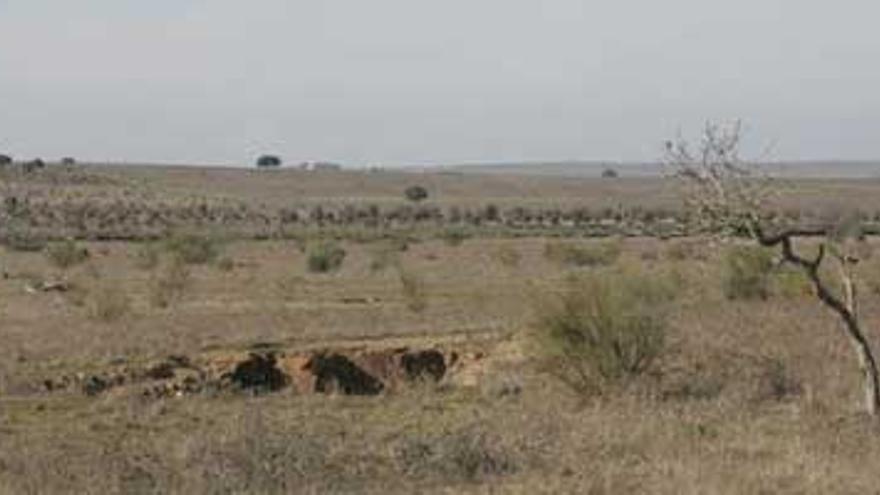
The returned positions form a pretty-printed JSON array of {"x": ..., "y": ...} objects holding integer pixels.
[
  {"x": 867, "y": 362},
  {"x": 847, "y": 309}
]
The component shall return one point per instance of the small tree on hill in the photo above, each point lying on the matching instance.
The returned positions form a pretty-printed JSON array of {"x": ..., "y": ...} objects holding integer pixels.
[
  {"x": 268, "y": 161},
  {"x": 5, "y": 160},
  {"x": 416, "y": 193},
  {"x": 610, "y": 173},
  {"x": 727, "y": 195}
]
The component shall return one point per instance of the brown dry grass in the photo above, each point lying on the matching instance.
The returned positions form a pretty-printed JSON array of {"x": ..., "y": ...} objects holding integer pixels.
[{"x": 752, "y": 396}]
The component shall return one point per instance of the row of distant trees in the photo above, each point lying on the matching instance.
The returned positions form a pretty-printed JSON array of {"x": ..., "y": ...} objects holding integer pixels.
[
  {"x": 31, "y": 165},
  {"x": 274, "y": 161}
]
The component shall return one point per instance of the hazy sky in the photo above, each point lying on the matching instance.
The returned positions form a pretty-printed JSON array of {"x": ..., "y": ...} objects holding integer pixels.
[{"x": 433, "y": 81}]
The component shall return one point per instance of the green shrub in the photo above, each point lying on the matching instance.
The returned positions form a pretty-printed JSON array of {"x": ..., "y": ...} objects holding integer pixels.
[
  {"x": 602, "y": 253},
  {"x": 791, "y": 283},
  {"x": 194, "y": 249},
  {"x": 747, "y": 273},
  {"x": 603, "y": 329},
  {"x": 325, "y": 257},
  {"x": 66, "y": 254}
]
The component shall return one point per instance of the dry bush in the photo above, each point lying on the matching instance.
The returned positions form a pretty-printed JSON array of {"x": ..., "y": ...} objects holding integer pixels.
[
  {"x": 108, "y": 303},
  {"x": 225, "y": 264},
  {"x": 147, "y": 256},
  {"x": 169, "y": 286},
  {"x": 686, "y": 250},
  {"x": 603, "y": 329},
  {"x": 325, "y": 257},
  {"x": 454, "y": 236},
  {"x": 747, "y": 272},
  {"x": 383, "y": 256},
  {"x": 66, "y": 254},
  {"x": 508, "y": 256},
  {"x": 414, "y": 290},
  {"x": 602, "y": 253},
  {"x": 21, "y": 238},
  {"x": 790, "y": 283},
  {"x": 194, "y": 249},
  {"x": 468, "y": 454}
]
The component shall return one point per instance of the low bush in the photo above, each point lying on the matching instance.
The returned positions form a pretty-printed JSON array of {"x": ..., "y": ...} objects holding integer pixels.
[
  {"x": 603, "y": 329},
  {"x": 602, "y": 253},
  {"x": 169, "y": 286},
  {"x": 66, "y": 254},
  {"x": 747, "y": 273},
  {"x": 147, "y": 256},
  {"x": 383, "y": 256},
  {"x": 414, "y": 291},
  {"x": 325, "y": 257},
  {"x": 508, "y": 256}
]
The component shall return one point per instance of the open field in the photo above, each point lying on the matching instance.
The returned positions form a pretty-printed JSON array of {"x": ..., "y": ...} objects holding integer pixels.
[{"x": 200, "y": 363}]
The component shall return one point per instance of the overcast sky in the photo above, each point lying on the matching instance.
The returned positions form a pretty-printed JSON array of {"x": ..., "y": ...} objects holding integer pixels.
[{"x": 428, "y": 81}]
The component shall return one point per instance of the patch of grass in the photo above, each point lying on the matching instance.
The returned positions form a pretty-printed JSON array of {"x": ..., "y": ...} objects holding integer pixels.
[
  {"x": 325, "y": 257},
  {"x": 685, "y": 250},
  {"x": 747, "y": 273},
  {"x": 66, "y": 254},
  {"x": 463, "y": 455},
  {"x": 603, "y": 329},
  {"x": 602, "y": 253},
  {"x": 790, "y": 283}
]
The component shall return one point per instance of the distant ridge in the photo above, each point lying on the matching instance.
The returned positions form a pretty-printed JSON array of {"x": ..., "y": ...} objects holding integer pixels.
[{"x": 825, "y": 169}]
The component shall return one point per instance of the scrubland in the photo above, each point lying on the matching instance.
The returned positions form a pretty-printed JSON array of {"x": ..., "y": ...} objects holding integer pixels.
[{"x": 128, "y": 351}]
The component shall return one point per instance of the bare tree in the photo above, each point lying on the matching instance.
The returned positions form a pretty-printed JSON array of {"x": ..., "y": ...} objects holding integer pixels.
[{"x": 729, "y": 196}]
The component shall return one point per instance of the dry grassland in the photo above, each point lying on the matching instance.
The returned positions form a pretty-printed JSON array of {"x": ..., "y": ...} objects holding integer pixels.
[{"x": 749, "y": 396}]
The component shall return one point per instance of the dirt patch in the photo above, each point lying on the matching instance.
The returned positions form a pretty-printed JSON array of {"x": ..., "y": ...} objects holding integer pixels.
[
  {"x": 422, "y": 365},
  {"x": 259, "y": 373},
  {"x": 351, "y": 371},
  {"x": 337, "y": 373}
]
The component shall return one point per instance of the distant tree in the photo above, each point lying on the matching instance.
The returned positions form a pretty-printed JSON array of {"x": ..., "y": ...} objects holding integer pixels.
[
  {"x": 610, "y": 173},
  {"x": 36, "y": 164},
  {"x": 416, "y": 193},
  {"x": 67, "y": 160},
  {"x": 268, "y": 161},
  {"x": 5, "y": 160}
]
